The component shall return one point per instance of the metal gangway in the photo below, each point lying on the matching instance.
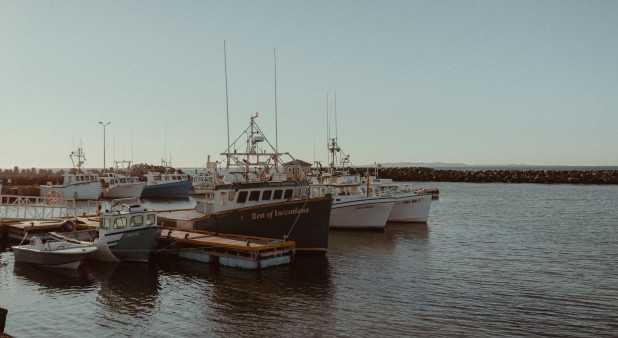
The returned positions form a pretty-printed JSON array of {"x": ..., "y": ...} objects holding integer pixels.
[{"x": 36, "y": 207}]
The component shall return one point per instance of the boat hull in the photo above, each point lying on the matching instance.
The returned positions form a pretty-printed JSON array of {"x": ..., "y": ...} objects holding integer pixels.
[
  {"x": 171, "y": 189},
  {"x": 78, "y": 191},
  {"x": 411, "y": 208},
  {"x": 125, "y": 191},
  {"x": 70, "y": 257},
  {"x": 131, "y": 245},
  {"x": 361, "y": 213},
  {"x": 303, "y": 221}
]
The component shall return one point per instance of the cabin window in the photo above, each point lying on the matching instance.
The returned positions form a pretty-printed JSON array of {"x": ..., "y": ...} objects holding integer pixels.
[
  {"x": 151, "y": 219},
  {"x": 288, "y": 193},
  {"x": 120, "y": 223},
  {"x": 254, "y": 196},
  {"x": 231, "y": 196},
  {"x": 277, "y": 195},
  {"x": 266, "y": 195},
  {"x": 137, "y": 220},
  {"x": 223, "y": 198},
  {"x": 242, "y": 197},
  {"x": 104, "y": 223}
]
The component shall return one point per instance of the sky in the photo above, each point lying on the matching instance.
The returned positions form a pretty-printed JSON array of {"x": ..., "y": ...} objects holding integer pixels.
[{"x": 474, "y": 82}]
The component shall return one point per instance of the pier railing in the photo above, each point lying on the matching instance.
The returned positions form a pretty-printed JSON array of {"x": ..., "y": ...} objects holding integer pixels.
[{"x": 35, "y": 207}]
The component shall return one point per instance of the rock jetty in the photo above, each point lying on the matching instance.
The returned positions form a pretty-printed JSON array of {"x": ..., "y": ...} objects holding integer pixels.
[{"x": 499, "y": 175}]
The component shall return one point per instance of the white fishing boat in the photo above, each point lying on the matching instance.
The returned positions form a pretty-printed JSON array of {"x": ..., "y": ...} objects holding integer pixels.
[
  {"x": 54, "y": 253},
  {"x": 352, "y": 208},
  {"x": 120, "y": 186},
  {"x": 409, "y": 207},
  {"x": 77, "y": 184},
  {"x": 126, "y": 232}
]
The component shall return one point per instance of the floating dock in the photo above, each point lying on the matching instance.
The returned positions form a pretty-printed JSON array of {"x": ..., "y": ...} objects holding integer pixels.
[{"x": 228, "y": 250}]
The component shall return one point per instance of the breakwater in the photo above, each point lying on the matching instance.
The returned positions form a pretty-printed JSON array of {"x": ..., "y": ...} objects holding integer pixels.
[{"x": 545, "y": 176}]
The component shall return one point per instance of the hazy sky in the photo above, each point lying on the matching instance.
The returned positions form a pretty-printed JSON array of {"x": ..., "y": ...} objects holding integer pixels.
[{"x": 475, "y": 82}]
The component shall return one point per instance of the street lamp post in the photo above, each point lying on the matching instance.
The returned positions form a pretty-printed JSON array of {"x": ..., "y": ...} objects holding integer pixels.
[{"x": 104, "y": 125}]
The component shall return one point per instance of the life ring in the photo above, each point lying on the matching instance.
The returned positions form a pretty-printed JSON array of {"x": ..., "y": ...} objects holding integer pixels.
[{"x": 54, "y": 197}]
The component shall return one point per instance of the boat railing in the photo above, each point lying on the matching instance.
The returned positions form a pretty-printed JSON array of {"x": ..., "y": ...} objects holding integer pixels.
[{"x": 36, "y": 207}]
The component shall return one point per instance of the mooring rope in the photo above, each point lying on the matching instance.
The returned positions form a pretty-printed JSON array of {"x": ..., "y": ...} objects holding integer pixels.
[{"x": 285, "y": 237}]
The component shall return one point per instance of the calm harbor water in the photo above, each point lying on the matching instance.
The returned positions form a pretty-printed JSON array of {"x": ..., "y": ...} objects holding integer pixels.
[{"x": 494, "y": 259}]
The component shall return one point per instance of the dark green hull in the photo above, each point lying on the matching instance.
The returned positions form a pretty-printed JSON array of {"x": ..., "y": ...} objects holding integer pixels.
[{"x": 302, "y": 221}]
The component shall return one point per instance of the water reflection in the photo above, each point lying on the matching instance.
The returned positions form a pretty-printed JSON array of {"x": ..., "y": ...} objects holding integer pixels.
[
  {"x": 129, "y": 288},
  {"x": 268, "y": 302},
  {"x": 372, "y": 242},
  {"x": 51, "y": 279},
  {"x": 232, "y": 301}
]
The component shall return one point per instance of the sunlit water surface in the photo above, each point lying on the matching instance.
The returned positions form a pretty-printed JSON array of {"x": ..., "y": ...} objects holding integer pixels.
[{"x": 494, "y": 259}]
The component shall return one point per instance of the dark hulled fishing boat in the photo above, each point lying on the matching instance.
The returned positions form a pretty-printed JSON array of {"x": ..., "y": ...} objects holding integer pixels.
[{"x": 254, "y": 196}]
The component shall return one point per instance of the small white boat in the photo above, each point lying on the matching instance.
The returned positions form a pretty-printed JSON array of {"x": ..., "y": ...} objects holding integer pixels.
[
  {"x": 58, "y": 254},
  {"x": 126, "y": 232},
  {"x": 79, "y": 185}
]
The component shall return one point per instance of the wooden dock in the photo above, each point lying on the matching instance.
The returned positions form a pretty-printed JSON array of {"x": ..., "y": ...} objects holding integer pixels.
[
  {"x": 18, "y": 230},
  {"x": 228, "y": 250}
]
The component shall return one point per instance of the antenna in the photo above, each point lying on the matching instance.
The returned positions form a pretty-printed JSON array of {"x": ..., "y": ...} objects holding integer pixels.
[{"x": 227, "y": 109}]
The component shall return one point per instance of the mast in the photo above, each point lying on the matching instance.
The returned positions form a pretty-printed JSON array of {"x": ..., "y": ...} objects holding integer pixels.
[
  {"x": 276, "y": 128},
  {"x": 227, "y": 109}
]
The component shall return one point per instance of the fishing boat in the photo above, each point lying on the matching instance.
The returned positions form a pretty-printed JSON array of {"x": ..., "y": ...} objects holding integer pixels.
[
  {"x": 118, "y": 185},
  {"x": 352, "y": 208},
  {"x": 53, "y": 253},
  {"x": 126, "y": 232},
  {"x": 409, "y": 207},
  {"x": 202, "y": 182},
  {"x": 253, "y": 196},
  {"x": 167, "y": 184},
  {"x": 77, "y": 184}
]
